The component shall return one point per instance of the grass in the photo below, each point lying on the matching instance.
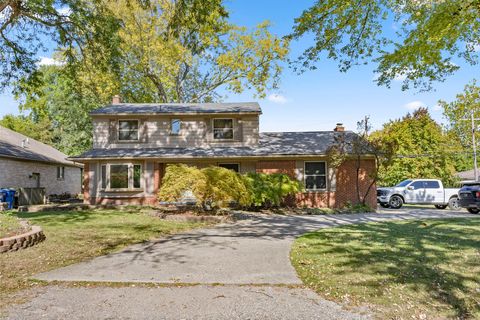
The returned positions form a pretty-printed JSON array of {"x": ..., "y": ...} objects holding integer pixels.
[
  {"x": 402, "y": 270},
  {"x": 10, "y": 226},
  {"x": 74, "y": 236}
]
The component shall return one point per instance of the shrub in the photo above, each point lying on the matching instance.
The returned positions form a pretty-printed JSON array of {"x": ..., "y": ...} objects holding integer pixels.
[
  {"x": 180, "y": 179},
  {"x": 224, "y": 186},
  {"x": 271, "y": 189},
  {"x": 218, "y": 187},
  {"x": 215, "y": 186}
]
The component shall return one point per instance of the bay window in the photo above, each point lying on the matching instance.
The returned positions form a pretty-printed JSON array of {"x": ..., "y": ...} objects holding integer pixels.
[{"x": 125, "y": 176}]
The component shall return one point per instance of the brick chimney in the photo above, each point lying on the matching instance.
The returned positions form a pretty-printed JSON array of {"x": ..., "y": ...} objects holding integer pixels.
[
  {"x": 116, "y": 99},
  {"x": 339, "y": 127}
]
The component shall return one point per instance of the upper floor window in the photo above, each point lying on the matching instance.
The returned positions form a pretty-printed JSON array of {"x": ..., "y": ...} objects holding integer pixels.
[
  {"x": 175, "y": 126},
  {"x": 223, "y": 129},
  {"x": 315, "y": 176},
  {"x": 127, "y": 130},
  {"x": 60, "y": 173}
]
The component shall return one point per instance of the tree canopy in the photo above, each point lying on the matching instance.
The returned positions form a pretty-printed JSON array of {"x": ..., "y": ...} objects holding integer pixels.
[
  {"x": 423, "y": 149},
  {"x": 26, "y": 27},
  {"x": 185, "y": 51},
  {"x": 419, "y": 48},
  {"x": 459, "y": 111},
  {"x": 165, "y": 51}
]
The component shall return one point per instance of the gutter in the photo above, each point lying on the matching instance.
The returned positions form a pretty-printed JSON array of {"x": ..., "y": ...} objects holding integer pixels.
[{"x": 286, "y": 156}]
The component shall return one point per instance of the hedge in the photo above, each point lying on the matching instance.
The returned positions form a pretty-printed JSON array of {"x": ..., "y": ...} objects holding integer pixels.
[{"x": 220, "y": 187}]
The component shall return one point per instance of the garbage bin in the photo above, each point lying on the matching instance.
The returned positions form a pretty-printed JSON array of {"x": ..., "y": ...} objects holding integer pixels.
[
  {"x": 9, "y": 197},
  {"x": 3, "y": 196}
]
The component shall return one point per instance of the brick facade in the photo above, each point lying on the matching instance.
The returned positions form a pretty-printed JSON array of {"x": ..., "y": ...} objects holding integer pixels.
[
  {"x": 277, "y": 166},
  {"x": 18, "y": 174},
  {"x": 126, "y": 200},
  {"x": 341, "y": 190},
  {"x": 345, "y": 190}
]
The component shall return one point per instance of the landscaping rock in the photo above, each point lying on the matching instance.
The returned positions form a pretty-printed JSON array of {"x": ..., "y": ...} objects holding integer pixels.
[{"x": 22, "y": 241}]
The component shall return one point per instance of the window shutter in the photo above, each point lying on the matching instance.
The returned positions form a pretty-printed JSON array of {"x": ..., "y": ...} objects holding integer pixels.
[
  {"x": 332, "y": 179},
  {"x": 208, "y": 129},
  {"x": 143, "y": 132},
  {"x": 237, "y": 130},
  {"x": 112, "y": 137}
]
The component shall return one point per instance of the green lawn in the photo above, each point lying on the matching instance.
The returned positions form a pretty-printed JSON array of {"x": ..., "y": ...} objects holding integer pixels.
[
  {"x": 10, "y": 226},
  {"x": 402, "y": 270},
  {"x": 76, "y": 236}
]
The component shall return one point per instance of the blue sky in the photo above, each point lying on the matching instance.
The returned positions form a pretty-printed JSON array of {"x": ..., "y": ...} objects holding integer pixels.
[{"x": 317, "y": 100}]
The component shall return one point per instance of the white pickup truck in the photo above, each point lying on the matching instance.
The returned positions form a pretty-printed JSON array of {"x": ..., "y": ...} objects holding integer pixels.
[{"x": 418, "y": 191}]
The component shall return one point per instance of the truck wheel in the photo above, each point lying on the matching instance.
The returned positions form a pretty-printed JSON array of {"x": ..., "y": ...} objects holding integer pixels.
[
  {"x": 453, "y": 203},
  {"x": 440, "y": 206},
  {"x": 384, "y": 205},
  {"x": 396, "y": 202},
  {"x": 473, "y": 210}
]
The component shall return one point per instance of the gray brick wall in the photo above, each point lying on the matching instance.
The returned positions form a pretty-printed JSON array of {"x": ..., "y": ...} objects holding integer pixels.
[{"x": 15, "y": 174}]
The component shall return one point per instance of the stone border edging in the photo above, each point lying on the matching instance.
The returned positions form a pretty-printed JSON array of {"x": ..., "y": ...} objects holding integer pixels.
[{"x": 22, "y": 241}]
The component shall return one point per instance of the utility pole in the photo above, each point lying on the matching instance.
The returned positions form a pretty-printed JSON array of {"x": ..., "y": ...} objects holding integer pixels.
[{"x": 474, "y": 144}]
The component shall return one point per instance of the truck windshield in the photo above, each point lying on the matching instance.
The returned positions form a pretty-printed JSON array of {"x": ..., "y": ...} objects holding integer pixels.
[{"x": 403, "y": 183}]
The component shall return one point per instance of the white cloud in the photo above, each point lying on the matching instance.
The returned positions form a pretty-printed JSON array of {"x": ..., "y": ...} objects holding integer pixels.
[
  {"x": 414, "y": 105},
  {"x": 277, "y": 98},
  {"x": 46, "y": 61},
  {"x": 437, "y": 108},
  {"x": 65, "y": 11}
]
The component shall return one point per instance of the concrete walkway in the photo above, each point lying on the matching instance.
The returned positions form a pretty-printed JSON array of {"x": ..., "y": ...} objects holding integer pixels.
[
  {"x": 248, "y": 261},
  {"x": 252, "y": 251}
]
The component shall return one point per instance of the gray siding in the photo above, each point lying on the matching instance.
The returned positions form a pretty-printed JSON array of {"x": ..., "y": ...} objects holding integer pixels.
[
  {"x": 17, "y": 174},
  {"x": 196, "y": 131}
]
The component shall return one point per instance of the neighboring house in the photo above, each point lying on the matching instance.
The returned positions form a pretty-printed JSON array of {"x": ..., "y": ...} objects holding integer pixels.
[
  {"x": 468, "y": 175},
  {"x": 132, "y": 144},
  {"x": 27, "y": 163}
]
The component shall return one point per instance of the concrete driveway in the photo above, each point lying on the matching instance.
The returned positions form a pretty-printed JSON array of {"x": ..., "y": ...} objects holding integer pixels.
[
  {"x": 233, "y": 271},
  {"x": 254, "y": 251}
]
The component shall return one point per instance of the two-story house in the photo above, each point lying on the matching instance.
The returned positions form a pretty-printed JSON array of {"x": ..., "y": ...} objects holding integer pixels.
[{"x": 132, "y": 144}]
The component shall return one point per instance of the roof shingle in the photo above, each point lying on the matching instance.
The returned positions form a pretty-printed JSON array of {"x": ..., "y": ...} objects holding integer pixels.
[
  {"x": 177, "y": 108},
  {"x": 270, "y": 144},
  {"x": 18, "y": 146}
]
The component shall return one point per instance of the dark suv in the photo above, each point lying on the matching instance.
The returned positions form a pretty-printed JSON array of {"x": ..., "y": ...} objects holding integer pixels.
[{"x": 469, "y": 197}]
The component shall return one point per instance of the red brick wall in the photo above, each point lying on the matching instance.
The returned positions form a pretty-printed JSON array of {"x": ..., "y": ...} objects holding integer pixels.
[
  {"x": 346, "y": 182},
  {"x": 125, "y": 200},
  {"x": 279, "y": 166},
  {"x": 86, "y": 182},
  {"x": 345, "y": 187},
  {"x": 316, "y": 199}
]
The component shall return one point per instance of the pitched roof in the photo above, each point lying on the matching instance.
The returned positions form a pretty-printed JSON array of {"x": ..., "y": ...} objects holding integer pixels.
[
  {"x": 270, "y": 144},
  {"x": 18, "y": 146},
  {"x": 466, "y": 175},
  {"x": 177, "y": 108}
]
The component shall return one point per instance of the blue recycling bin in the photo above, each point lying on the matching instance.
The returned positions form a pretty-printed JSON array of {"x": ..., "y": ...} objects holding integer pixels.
[
  {"x": 3, "y": 196},
  {"x": 9, "y": 197}
]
